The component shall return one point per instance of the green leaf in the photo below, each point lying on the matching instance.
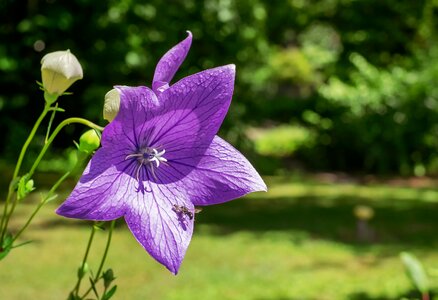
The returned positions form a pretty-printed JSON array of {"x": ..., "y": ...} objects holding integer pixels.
[
  {"x": 93, "y": 286},
  {"x": 110, "y": 293},
  {"x": 22, "y": 244},
  {"x": 6, "y": 246},
  {"x": 99, "y": 226},
  {"x": 55, "y": 108},
  {"x": 51, "y": 198},
  {"x": 415, "y": 272}
]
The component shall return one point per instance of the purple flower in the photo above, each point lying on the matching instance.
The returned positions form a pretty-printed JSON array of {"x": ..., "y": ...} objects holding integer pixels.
[{"x": 161, "y": 156}]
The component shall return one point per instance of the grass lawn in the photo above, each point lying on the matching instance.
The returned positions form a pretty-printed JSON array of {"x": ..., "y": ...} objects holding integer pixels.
[{"x": 298, "y": 241}]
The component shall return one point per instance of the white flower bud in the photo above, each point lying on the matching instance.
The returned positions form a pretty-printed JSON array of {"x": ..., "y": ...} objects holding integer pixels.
[
  {"x": 59, "y": 70},
  {"x": 112, "y": 105}
]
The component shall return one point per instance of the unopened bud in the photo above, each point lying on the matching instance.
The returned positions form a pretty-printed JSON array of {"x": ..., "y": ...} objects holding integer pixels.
[
  {"x": 112, "y": 105},
  {"x": 89, "y": 141},
  {"x": 59, "y": 70}
]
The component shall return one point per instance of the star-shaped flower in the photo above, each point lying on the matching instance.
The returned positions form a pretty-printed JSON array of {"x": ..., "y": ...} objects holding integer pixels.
[{"x": 161, "y": 156}]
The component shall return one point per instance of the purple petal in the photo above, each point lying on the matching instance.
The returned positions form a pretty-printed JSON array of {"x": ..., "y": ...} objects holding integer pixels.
[
  {"x": 183, "y": 121},
  {"x": 221, "y": 174},
  {"x": 195, "y": 108},
  {"x": 103, "y": 190},
  {"x": 138, "y": 106},
  {"x": 169, "y": 64},
  {"x": 164, "y": 232}
]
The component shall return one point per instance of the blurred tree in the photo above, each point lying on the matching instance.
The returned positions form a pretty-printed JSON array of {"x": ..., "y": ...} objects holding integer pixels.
[{"x": 294, "y": 67}]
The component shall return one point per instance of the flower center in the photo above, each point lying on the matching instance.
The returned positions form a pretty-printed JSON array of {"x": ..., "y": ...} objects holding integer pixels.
[{"x": 146, "y": 157}]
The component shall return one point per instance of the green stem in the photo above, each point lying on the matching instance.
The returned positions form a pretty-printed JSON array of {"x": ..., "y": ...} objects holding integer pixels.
[
  {"x": 43, "y": 152},
  {"x": 105, "y": 253},
  {"x": 29, "y": 139},
  {"x": 52, "y": 117},
  {"x": 41, "y": 204},
  {"x": 5, "y": 211},
  {"x": 55, "y": 133},
  {"x": 84, "y": 261},
  {"x": 6, "y": 215}
]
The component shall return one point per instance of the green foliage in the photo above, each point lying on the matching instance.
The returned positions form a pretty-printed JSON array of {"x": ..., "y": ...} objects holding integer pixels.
[
  {"x": 292, "y": 65},
  {"x": 110, "y": 293},
  {"x": 373, "y": 81},
  {"x": 415, "y": 272},
  {"x": 281, "y": 141},
  {"x": 392, "y": 113},
  {"x": 6, "y": 246}
]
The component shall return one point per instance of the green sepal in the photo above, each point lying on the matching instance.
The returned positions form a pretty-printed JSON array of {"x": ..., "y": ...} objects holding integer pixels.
[
  {"x": 110, "y": 293},
  {"x": 6, "y": 245},
  {"x": 99, "y": 226},
  {"x": 50, "y": 98}
]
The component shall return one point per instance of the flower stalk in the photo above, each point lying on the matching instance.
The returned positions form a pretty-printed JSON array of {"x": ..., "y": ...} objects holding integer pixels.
[
  {"x": 6, "y": 214},
  {"x": 94, "y": 279},
  {"x": 49, "y": 196}
]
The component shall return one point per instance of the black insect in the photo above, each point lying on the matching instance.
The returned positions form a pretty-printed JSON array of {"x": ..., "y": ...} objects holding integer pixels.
[{"x": 180, "y": 209}]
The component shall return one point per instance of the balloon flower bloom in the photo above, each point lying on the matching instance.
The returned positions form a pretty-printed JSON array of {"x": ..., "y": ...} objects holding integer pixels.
[{"x": 160, "y": 157}]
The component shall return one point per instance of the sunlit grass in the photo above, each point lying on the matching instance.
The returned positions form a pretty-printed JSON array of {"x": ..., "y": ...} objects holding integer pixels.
[{"x": 298, "y": 241}]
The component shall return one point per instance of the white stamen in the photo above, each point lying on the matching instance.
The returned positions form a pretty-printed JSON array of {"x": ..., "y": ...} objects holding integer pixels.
[{"x": 146, "y": 157}]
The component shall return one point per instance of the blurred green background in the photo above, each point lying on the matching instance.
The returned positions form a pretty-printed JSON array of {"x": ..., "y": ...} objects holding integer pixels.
[
  {"x": 329, "y": 84},
  {"x": 323, "y": 87}
]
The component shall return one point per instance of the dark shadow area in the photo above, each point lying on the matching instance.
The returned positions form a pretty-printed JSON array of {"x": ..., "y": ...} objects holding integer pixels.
[
  {"x": 396, "y": 222},
  {"x": 411, "y": 294},
  {"x": 66, "y": 222}
]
